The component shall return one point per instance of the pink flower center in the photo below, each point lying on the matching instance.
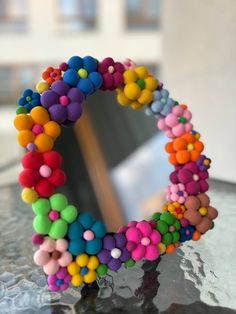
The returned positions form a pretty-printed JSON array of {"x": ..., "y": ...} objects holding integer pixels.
[
  {"x": 88, "y": 235},
  {"x": 37, "y": 129},
  {"x": 53, "y": 215},
  {"x": 45, "y": 171},
  {"x": 171, "y": 229},
  {"x": 195, "y": 177},
  {"x": 64, "y": 100},
  {"x": 111, "y": 69},
  {"x": 145, "y": 241},
  {"x": 178, "y": 210},
  {"x": 187, "y": 232}
]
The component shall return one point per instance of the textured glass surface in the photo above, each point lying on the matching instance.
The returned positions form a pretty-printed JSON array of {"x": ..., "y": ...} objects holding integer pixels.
[{"x": 199, "y": 278}]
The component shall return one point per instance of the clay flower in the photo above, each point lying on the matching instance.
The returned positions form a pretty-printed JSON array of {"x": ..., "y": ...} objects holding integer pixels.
[
  {"x": 42, "y": 172},
  {"x": 161, "y": 105},
  {"x": 82, "y": 73},
  {"x": 184, "y": 149},
  {"x": 129, "y": 64},
  {"x": 168, "y": 226},
  {"x": 192, "y": 177},
  {"x": 175, "y": 208},
  {"x": 137, "y": 88},
  {"x": 51, "y": 75},
  {"x": 53, "y": 216},
  {"x": 186, "y": 233},
  {"x": 36, "y": 131},
  {"x": 114, "y": 251},
  {"x": 176, "y": 193},
  {"x": 85, "y": 235},
  {"x": 59, "y": 281},
  {"x": 29, "y": 100},
  {"x": 177, "y": 122},
  {"x": 83, "y": 269},
  {"x": 203, "y": 163},
  {"x": 142, "y": 240},
  {"x": 63, "y": 103},
  {"x": 111, "y": 72},
  {"x": 199, "y": 213},
  {"x": 52, "y": 254}
]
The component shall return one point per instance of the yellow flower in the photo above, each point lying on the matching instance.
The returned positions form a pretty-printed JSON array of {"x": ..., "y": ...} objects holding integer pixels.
[
  {"x": 137, "y": 88},
  {"x": 83, "y": 269},
  {"x": 175, "y": 208}
]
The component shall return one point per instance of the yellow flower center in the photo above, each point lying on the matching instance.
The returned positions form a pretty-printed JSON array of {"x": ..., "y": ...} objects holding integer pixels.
[
  {"x": 190, "y": 147},
  {"x": 82, "y": 73},
  {"x": 202, "y": 211}
]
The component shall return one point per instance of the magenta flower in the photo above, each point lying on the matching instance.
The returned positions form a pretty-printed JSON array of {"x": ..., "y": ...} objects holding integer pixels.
[
  {"x": 52, "y": 254},
  {"x": 192, "y": 177},
  {"x": 129, "y": 64},
  {"x": 142, "y": 239},
  {"x": 59, "y": 281},
  {"x": 112, "y": 73},
  {"x": 177, "y": 122},
  {"x": 176, "y": 193}
]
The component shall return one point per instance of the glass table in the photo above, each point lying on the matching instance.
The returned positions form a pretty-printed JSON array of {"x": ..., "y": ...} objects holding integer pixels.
[{"x": 200, "y": 277}]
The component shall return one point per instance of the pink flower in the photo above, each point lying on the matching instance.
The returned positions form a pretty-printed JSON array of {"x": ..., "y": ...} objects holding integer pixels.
[
  {"x": 52, "y": 254},
  {"x": 129, "y": 64},
  {"x": 142, "y": 240},
  {"x": 176, "y": 193},
  {"x": 59, "y": 281},
  {"x": 177, "y": 122},
  {"x": 112, "y": 73}
]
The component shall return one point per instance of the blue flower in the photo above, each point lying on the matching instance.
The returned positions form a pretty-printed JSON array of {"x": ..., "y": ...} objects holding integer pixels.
[
  {"x": 186, "y": 233},
  {"x": 82, "y": 73},
  {"x": 85, "y": 235},
  {"x": 161, "y": 105},
  {"x": 29, "y": 100}
]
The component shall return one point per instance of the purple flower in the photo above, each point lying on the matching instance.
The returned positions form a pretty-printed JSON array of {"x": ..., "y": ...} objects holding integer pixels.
[
  {"x": 59, "y": 281},
  {"x": 63, "y": 103},
  {"x": 114, "y": 251},
  {"x": 203, "y": 163},
  {"x": 192, "y": 177}
]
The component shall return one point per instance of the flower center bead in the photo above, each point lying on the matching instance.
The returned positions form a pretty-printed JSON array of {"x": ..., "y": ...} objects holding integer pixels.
[
  {"x": 31, "y": 147},
  {"x": 195, "y": 177},
  {"x": 115, "y": 253},
  {"x": 182, "y": 120},
  {"x": 88, "y": 235},
  {"x": 28, "y": 98},
  {"x": 82, "y": 73},
  {"x": 53, "y": 74},
  {"x": 83, "y": 271},
  {"x": 56, "y": 255},
  {"x": 180, "y": 193},
  {"x": 145, "y": 241},
  {"x": 190, "y": 147},
  {"x": 178, "y": 210},
  {"x": 45, "y": 171},
  {"x": 111, "y": 69},
  {"x": 171, "y": 228},
  {"x": 53, "y": 215},
  {"x": 206, "y": 162},
  {"x": 141, "y": 83},
  {"x": 187, "y": 232},
  {"x": 64, "y": 100},
  {"x": 202, "y": 211},
  {"x": 59, "y": 282},
  {"x": 37, "y": 129}
]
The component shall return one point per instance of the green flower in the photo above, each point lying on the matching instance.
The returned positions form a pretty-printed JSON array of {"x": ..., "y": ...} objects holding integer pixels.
[
  {"x": 53, "y": 215},
  {"x": 168, "y": 226}
]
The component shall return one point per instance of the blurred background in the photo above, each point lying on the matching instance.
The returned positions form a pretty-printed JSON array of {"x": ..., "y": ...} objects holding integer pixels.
[{"x": 114, "y": 157}]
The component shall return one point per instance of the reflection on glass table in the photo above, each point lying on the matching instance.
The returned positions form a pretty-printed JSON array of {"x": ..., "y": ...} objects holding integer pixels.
[{"x": 197, "y": 278}]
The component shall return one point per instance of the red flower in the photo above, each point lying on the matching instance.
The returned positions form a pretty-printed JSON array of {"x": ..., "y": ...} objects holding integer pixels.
[
  {"x": 111, "y": 72},
  {"x": 51, "y": 75},
  {"x": 42, "y": 172}
]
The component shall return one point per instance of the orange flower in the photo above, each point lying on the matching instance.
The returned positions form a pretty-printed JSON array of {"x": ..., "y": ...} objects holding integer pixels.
[
  {"x": 175, "y": 208},
  {"x": 36, "y": 131},
  {"x": 184, "y": 149},
  {"x": 51, "y": 75}
]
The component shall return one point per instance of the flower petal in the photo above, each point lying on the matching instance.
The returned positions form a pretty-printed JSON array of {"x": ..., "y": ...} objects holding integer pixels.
[
  {"x": 145, "y": 228},
  {"x": 51, "y": 267},
  {"x": 138, "y": 253},
  {"x": 151, "y": 253},
  {"x": 41, "y": 257},
  {"x": 133, "y": 234}
]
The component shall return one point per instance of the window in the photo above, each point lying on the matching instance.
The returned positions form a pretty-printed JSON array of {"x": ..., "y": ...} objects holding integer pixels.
[
  {"x": 13, "y": 79},
  {"x": 142, "y": 14},
  {"x": 13, "y": 15},
  {"x": 76, "y": 15}
]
